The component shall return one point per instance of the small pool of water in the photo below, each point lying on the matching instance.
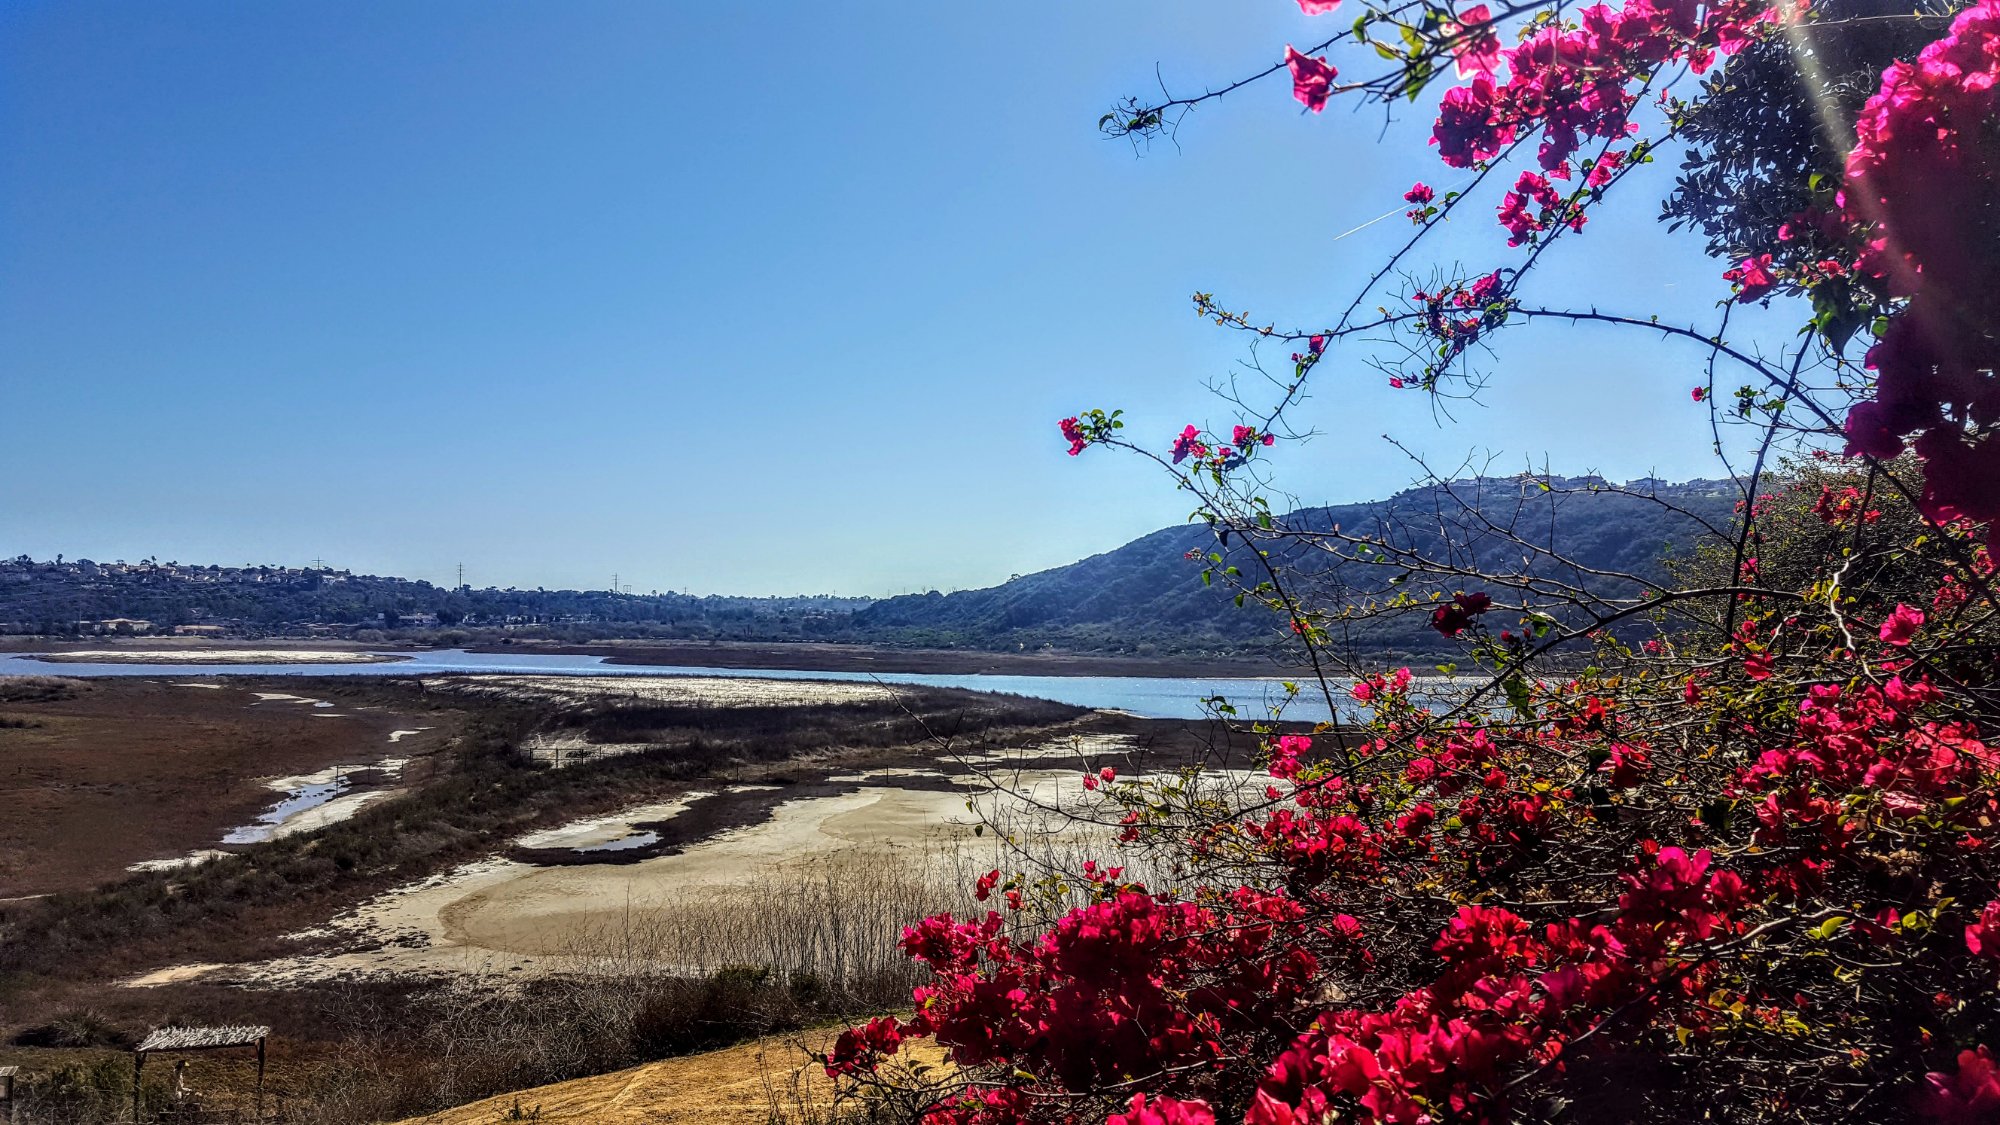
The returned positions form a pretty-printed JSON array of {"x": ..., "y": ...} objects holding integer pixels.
[
  {"x": 622, "y": 844},
  {"x": 308, "y": 796}
]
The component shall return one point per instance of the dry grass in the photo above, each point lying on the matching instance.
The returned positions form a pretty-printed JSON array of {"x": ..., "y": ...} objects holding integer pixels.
[
  {"x": 835, "y": 924},
  {"x": 767, "y": 1081}
]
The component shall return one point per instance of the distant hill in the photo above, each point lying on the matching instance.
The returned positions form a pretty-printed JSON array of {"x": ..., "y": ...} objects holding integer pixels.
[
  {"x": 1147, "y": 597},
  {"x": 1144, "y": 598}
]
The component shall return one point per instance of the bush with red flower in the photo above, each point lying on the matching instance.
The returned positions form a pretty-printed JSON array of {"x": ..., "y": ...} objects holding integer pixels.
[{"x": 1722, "y": 848}]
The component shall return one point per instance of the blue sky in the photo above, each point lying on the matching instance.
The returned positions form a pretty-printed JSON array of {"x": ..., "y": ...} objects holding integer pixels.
[{"x": 729, "y": 298}]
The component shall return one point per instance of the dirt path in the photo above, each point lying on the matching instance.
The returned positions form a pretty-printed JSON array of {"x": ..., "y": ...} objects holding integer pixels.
[{"x": 753, "y": 1084}]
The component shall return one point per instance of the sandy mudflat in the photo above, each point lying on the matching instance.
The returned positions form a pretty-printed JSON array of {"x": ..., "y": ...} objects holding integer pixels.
[
  {"x": 192, "y": 859},
  {"x": 598, "y": 830},
  {"x": 503, "y": 916},
  {"x": 500, "y": 915},
  {"x": 216, "y": 656},
  {"x": 710, "y": 691}
]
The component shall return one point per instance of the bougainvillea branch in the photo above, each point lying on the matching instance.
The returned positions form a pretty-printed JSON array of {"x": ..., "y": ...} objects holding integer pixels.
[{"x": 1717, "y": 839}]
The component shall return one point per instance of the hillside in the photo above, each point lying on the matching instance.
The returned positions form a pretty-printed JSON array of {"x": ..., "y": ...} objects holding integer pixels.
[
  {"x": 1147, "y": 596},
  {"x": 1144, "y": 598}
]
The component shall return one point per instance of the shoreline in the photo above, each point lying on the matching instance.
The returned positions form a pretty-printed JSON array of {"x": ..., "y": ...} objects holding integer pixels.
[
  {"x": 788, "y": 656},
  {"x": 811, "y": 656}
]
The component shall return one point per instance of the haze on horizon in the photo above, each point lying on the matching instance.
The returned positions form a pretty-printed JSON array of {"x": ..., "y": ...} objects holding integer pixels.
[{"x": 770, "y": 299}]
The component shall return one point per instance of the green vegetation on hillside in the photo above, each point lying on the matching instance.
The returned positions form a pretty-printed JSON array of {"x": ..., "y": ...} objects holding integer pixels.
[{"x": 1144, "y": 598}]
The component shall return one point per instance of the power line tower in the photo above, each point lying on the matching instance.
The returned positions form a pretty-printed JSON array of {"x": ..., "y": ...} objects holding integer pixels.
[{"x": 461, "y": 577}]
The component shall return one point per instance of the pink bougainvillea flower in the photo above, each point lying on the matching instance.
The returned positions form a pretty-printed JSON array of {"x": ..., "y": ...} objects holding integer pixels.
[
  {"x": 1924, "y": 158},
  {"x": 1699, "y": 394},
  {"x": 1968, "y": 1097},
  {"x": 1873, "y": 431},
  {"x": 1188, "y": 442},
  {"x": 1470, "y": 127},
  {"x": 1753, "y": 279},
  {"x": 1983, "y": 936},
  {"x": 1601, "y": 172},
  {"x": 1164, "y": 1110},
  {"x": 1316, "y": 344},
  {"x": 1452, "y": 618},
  {"x": 1477, "y": 47},
  {"x": 1074, "y": 433},
  {"x": 1420, "y": 193},
  {"x": 1902, "y": 625},
  {"x": 857, "y": 1045},
  {"x": 1757, "y": 666},
  {"x": 1312, "y": 79},
  {"x": 1318, "y": 7}
]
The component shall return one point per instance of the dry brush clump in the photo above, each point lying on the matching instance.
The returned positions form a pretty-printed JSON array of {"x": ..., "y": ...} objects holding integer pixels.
[{"x": 764, "y": 959}]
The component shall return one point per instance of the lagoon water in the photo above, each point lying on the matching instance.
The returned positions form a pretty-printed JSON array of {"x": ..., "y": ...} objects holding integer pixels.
[{"x": 1147, "y": 696}]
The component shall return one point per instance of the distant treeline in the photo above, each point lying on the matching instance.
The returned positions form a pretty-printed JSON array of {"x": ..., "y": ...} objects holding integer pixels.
[
  {"x": 1144, "y": 598},
  {"x": 66, "y": 597}
]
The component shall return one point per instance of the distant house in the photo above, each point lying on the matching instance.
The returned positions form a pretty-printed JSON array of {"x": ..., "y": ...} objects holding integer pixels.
[
  {"x": 121, "y": 625},
  {"x": 199, "y": 630}
]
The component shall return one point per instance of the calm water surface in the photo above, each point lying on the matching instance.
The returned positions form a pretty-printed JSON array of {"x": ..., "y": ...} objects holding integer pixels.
[{"x": 1152, "y": 697}]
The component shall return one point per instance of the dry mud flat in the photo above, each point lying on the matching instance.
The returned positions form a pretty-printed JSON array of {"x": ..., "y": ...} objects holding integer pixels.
[
  {"x": 583, "y": 693},
  {"x": 115, "y": 772},
  {"x": 691, "y": 691}
]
